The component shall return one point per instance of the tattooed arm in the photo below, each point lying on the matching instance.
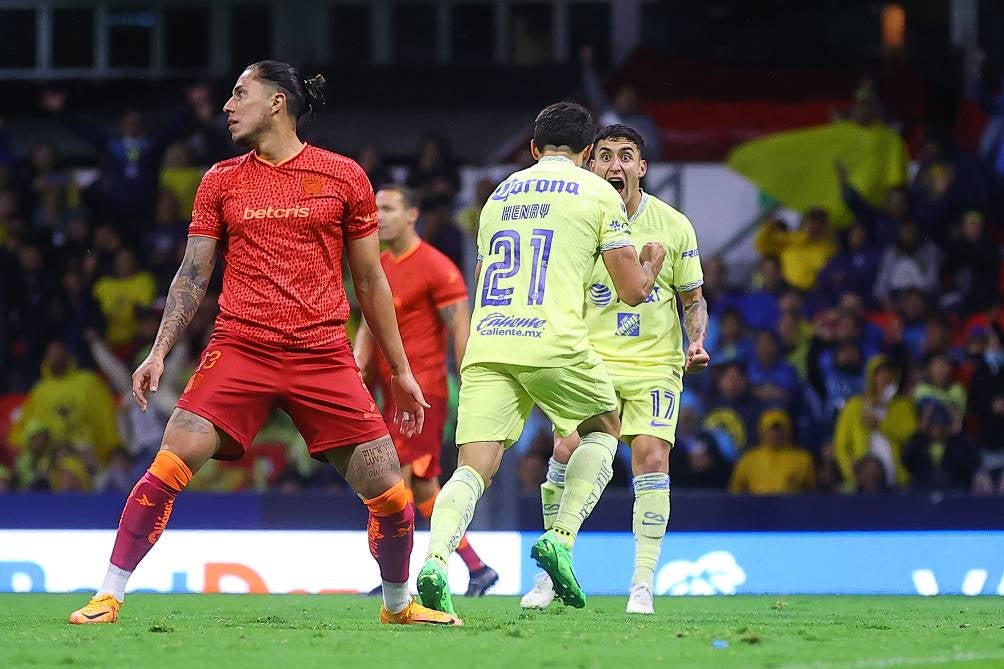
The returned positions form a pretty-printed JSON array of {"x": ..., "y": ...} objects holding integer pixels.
[
  {"x": 695, "y": 324},
  {"x": 183, "y": 300},
  {"x": 457, "y": 319}
]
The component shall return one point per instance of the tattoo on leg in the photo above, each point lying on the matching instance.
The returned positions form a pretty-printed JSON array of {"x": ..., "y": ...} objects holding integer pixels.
[
  {"x": 187, "y": 421},
  {"x": 372, "y": 460}
]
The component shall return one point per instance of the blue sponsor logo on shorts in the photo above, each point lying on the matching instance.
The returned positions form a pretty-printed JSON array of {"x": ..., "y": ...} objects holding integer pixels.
[
  {"x": 628, "y": 325},
  {"x": 600, "y": 295}
]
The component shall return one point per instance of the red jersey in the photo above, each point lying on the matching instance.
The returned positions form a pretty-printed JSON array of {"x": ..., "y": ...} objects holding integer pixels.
[
  {"x": 423, "y": 281},
  {"x": 283, "y": 228}
]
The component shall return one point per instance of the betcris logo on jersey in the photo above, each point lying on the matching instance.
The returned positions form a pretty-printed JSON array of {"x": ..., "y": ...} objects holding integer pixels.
[
  {"x": 628, "y": 324},
  {"x": 600, "y": 296},
  {"x": 271, "y": 212}
]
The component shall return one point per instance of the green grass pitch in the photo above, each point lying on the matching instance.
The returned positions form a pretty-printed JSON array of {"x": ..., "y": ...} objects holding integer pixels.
[{"x": 294, "y": 631}]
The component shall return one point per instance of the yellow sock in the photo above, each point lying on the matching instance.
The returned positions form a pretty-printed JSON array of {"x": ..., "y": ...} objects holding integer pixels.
[
  {"x": 550, "y": 492},
  {"x": 587, "y": 474},
  {"x": 453, "y": 511},
  {"x": 550, "y": 502},
  {"x": 651, "y": 513}
]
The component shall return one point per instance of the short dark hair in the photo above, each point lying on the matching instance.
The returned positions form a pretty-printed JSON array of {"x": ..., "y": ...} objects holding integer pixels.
[
  {"x": 620, "y": 131},
  {"x": 408, "y": 196},
  {"x": 304, "y": 96},
  {"x": 564, "y": 124}
]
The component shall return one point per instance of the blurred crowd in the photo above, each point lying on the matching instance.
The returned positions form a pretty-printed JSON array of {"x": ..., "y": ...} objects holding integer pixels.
[
  {"x": 867, "y": 359},
  {"x": 86, "y": 257}
]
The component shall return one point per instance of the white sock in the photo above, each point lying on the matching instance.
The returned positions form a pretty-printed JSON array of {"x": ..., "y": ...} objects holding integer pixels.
[
  {"x": 115, "y": 582},
  {"x": 395, "y": 596},
  {"x": 556, "y": 472}
]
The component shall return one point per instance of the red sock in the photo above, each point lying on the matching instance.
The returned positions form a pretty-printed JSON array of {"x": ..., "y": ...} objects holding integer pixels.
[
  {"x": 471, "y": 559},
  {"x": 464, "y": 549},
  {"x": 391, "y": 530},
  {"x": 148, "y": 509}
]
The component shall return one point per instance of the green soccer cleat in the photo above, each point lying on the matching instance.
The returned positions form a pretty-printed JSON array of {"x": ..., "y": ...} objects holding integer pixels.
[
  {"x": 554, "y": 557},
  {"x": 433, "y": 587}
]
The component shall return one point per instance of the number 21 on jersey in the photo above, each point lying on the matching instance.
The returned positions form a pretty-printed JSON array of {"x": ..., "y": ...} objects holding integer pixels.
[{"x": 506, "y": 243}]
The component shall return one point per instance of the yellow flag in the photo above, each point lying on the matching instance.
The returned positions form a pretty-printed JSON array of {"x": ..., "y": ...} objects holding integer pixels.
[{"x": 797, "y": 167}]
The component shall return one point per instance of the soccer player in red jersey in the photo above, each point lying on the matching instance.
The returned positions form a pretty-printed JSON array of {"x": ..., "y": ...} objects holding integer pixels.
[
  {"x": 282, "y": 215},
  {"x": 430, "y": 298}
]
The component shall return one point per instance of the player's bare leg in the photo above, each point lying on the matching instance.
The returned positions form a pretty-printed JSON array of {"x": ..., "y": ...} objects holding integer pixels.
[
  {"x": 408, "y": 477},
  {"x": 587, "y": 473},
  {"x": 189, "y": 442},
  {"x": 650, "y": 466},
  {"x": 477, "y": 464},
  {"x": 373, "y": 471},
  {"x": 425, "y": 491}
]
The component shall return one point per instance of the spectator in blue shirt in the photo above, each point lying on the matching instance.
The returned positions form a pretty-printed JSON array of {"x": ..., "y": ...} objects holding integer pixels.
[
  {"x": 774, "y": 381},
  {"x": 852, "y": 270},
  {"x": 881, "y": 222},
  {"x": 760, "y": 308},
  {"x": 729, "y": 340}
]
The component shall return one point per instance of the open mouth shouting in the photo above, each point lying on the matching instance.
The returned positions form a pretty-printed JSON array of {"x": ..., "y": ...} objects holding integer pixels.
[{"x": 617, "y": 183}]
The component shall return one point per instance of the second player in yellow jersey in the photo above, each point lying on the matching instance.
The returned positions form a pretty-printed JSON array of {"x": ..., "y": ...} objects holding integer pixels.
[{"x": 642, "y": 349}]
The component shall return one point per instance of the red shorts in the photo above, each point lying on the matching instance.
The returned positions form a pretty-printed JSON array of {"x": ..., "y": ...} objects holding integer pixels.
[
  {"x": 421, "y": 451},
  {"x": 238, "y": 383}
]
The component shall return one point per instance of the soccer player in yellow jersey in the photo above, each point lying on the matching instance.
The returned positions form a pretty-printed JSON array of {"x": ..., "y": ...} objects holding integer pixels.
[
  {"x": 642, "y": 349},
  {"x": 540, "y": 235}
]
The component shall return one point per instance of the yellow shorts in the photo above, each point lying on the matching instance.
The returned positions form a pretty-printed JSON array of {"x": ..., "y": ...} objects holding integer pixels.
[
  {"x": 649, "y": 405},
  {"x": 496, "y": 398}
]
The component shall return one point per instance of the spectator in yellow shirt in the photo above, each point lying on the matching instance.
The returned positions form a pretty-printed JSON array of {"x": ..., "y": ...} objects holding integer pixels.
[
  {"x": 73, "y": 406},
  {"x": 877, "y": 422},
  {"x": 802, "y": 253},
  {"x": 121, "y": 294},
  {"x": 775, "y": 466},
  {"x": 179, "y": 177}
]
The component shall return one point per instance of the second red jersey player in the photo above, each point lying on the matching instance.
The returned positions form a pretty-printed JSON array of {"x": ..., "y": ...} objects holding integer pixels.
[
  {"x": 430, "y": 298},
  {"x": 284, "y": 215}
]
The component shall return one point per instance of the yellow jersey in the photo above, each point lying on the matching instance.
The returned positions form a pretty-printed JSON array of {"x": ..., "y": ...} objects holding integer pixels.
[
  {"x": 539, "y": 236},
  {"x": 634, "y": 340}
]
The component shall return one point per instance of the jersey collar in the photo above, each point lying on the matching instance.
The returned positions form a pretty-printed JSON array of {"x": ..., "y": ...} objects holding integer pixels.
[
  {"x": 641, "y": 207},
  {"x": 281, "y": 162},
  {"x": 555, "y": 158},
  {"x": 404, "y": 256}
]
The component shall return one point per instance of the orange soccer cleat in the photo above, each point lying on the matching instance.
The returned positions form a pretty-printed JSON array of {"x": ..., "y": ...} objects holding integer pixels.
[
  {"x": 416, "y": 614},
  {"x": 101, "y": 609}
]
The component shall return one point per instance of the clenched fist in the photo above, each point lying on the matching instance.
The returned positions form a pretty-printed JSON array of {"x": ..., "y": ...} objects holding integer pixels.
[{"x": 654, "y": 253}]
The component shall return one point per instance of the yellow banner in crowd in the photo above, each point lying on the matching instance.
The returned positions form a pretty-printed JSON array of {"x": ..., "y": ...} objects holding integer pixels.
[{"x": 797, "y": 167}]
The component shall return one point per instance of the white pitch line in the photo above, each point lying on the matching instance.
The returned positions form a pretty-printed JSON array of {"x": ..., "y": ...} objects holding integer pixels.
[{"x": 880, "y": 663}]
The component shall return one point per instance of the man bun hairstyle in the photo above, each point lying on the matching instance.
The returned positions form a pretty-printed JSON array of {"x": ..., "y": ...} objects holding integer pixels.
[
  {"x": 564, "y": 124},
  {"x": 304, "y": 96},
  {"x": 314, "y": 89}
]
